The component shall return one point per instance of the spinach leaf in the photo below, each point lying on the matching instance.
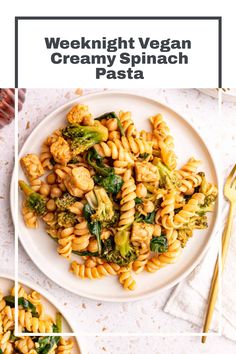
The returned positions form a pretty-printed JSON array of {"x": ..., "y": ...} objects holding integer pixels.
[
  {"x": 94, "y": 227},
  {"x": 26, "y": 304},
  {"x": 148, "y": 219},
  {"x": 86, "y": 253},
  {"x": 13, "y": 338},
  {"x": 159, "y": 244},
  {"x": 107, "y": 246},
  {"x": 96, "y": 161},
  {"x": 112, "y": 184},
  {"x": 46, "y": 344},
  {"x": 112, "y": 115},
  {"x": 52, "y": 161},
  {"x": 88, "y": 211},
  {"x": 1, "y": 352},
  {"x": 143, "y": 156},
  {"x": 138, "y": 200},
  {"x": 106, "y": 176}
]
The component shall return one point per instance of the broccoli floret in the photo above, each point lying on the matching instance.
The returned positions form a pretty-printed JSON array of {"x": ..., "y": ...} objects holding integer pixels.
[
  {"x": 184, "y": 235},
  {"x": 82, "y": 138},
  {"x": 65, "y": 201},
  {"x": 122, "y": 242},
  {"x": 168, "y": 178},
  {"x": 34, "y": 200},
  {"x": 210, "y": 192},
  {"x": 66, "y": 219},
  {"x": 119, "y": 251},
  {"x": 208, "y": 205},
  {"x": 203, "y": 209},
  {"x": 102, "y": 204},
  {"x": 197, "y": 222}
]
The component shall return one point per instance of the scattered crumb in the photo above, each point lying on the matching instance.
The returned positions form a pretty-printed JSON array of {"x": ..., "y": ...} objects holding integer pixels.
[
  {"x": 67, "y": 95},
  {"x": 104, "y": 349},
  {"x": 79, "y": 92},
  {"x": 104, "y": 329},
  {"x": 99, "y": 304},
  {"x": 84, "y": 306},
  {"x": 1, "y": 197}
]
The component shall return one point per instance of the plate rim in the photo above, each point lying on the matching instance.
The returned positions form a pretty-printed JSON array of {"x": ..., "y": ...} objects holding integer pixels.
[
  {"x": 54, "y": 302},
  {"x": 199, "y": 258}
]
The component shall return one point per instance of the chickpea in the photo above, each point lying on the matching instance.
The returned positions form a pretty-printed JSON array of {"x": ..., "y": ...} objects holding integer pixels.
[
  {"x": 114, "y": 135},
  {"x": 48, "y": 217},
  {"x": 51, "y": 178},
  {"x": 112, "y": 124},
  {"x": 141, "y": 190},
  {"x": 93, "y": 246},
  {"x": 55, "y": 192},
  {"x": 148, "y": 206},
  {"x": 142, "y": 233},
  {"x": 51, "y": 205},
  {"x": 44, "y": 189},
  {"x": 157, "y": 230},
  {"x": 88, "y": 120},
  {"x": 62, "y": 187}
]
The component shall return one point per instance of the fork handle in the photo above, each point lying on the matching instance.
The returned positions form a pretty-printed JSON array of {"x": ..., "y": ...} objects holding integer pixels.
[
  {"x": 225, "y": 243},
  {"x": 215, "y": 279}
]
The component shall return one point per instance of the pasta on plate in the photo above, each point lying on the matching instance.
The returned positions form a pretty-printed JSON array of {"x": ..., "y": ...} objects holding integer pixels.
[
  {"x": 32, "y": 318},
  {"x": 113, "y": 195}
]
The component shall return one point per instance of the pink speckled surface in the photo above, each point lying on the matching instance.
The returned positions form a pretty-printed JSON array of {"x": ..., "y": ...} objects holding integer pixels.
[{"x": 140, "y": 316}]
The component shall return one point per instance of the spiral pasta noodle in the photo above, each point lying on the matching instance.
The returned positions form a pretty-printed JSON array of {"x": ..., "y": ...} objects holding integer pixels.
[
  {"x": 29, "y": 216},
  {"x": 32, "y": 318},
  {"x": 139, "y": 265},
  {"x": 96, "y": 272},
  {"x": 81, "y": 236},
  {"x": 65, "y": 346},
  {"x": 65, "y": 239},
  {"x": 113, "y": 199},
  {"x": 128, "y": 195},
  {"x": 127, "y": 123},
  {"x": 126, "y": 279}
]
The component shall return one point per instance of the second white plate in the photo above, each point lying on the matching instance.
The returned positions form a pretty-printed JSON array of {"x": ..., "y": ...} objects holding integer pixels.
[
  {"x": 51, "y": 307},
  {"x": 42, "y": 249}
]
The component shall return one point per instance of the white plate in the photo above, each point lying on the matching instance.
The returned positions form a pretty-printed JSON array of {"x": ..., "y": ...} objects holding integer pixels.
[
  {"x": 42, "y": 250},
  {"x": 51, "y": 306}
]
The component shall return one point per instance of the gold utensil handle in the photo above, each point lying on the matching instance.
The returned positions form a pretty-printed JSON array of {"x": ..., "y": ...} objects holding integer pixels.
[
  {"x": 215, "y": 279},
  {"x": 225, "y": 243}
]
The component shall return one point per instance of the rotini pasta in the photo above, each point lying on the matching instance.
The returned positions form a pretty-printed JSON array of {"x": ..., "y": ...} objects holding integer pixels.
[
  {"x": 32, "y": 318},
  {"x": 113, "y": 196}
]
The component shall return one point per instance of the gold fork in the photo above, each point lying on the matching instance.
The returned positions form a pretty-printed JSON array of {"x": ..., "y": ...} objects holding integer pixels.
[{"x": 230, "y": 195}]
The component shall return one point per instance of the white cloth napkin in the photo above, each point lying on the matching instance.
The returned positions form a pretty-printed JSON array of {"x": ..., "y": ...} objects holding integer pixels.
[{"x": 189, "y": 298}]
